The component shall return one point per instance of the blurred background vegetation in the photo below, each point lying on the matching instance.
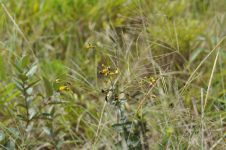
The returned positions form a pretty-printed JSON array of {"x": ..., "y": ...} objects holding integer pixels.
[{"x": 179, "y": 42}]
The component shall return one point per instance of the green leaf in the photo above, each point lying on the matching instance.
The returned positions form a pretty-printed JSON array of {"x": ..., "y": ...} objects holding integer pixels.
[
  {"x": 48, "y": 87},
  {"x": 29, "y": 91},
  {"x": 7, "y": 90},
  {"x": 2, "y": 69},
  {"x": 23, "y": 77},
  {"x": 2, "y": 136},
  {"x": 17, "y": 68},
  {"x": 10, "y": 145},
  {"x": 195, "y": 54},
  {"x": 22, "y": 106},
  {"x": 53, "y": 68},
  {"x": 46, "y": 115},
  {"x": 25, "y": 61},
  {"x": 32, "y": 71},
  {"x": 19, "y": 85},
  {"x": 119, "y": 126},
  {"x": 15, "y": 133},
  {"x": 13, "y": 95},
  {"x": 52, "y": 111},
  {"x": 32, "y": 113},
  {"x": 33, "y": 83},
  {"x": 47, "y": 130},
  {"x": 21, "y": 117},
  {"x": 55, "y": 103}
]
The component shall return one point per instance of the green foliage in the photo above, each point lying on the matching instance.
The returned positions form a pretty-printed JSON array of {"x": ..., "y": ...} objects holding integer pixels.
[
  {"x": 48, "y": 87},
  {"x": 53, "y": 69},
  {"x": 2, "y": 69},
  {"x": 164, "y": 87}
]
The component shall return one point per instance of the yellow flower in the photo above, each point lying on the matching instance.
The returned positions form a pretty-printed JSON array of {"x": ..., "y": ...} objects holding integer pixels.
[
  {"x": 113, "y": 72},
  {"x": 116, "y": 71},
  {"x": 148, "y": 80},
  {"x": 63, "y": 88},
  {"x": 151, "y": 81},
  {"x": 106, "y": 70},
  {"x": 89, "y": 45}
]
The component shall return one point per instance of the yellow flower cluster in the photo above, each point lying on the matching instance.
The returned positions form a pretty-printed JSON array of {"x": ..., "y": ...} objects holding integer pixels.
[
  {"x": 148, "y": 80},
  {"x": 108, "y": 71}
]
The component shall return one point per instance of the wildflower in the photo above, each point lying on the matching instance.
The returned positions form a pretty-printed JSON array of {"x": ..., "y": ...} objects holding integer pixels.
[
  {"x": 148, "y": 80},
  {"x": 64, "y": 88},
  {"x": 151, "y": 81},
  {"x": 114, "y": 72},
  {"x": 89, "y": 45},
  {"x": 106, "y": 70}
]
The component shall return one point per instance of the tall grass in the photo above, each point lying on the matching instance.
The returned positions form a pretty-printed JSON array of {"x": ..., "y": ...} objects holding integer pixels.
[{"x": 104, "y": 74}]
